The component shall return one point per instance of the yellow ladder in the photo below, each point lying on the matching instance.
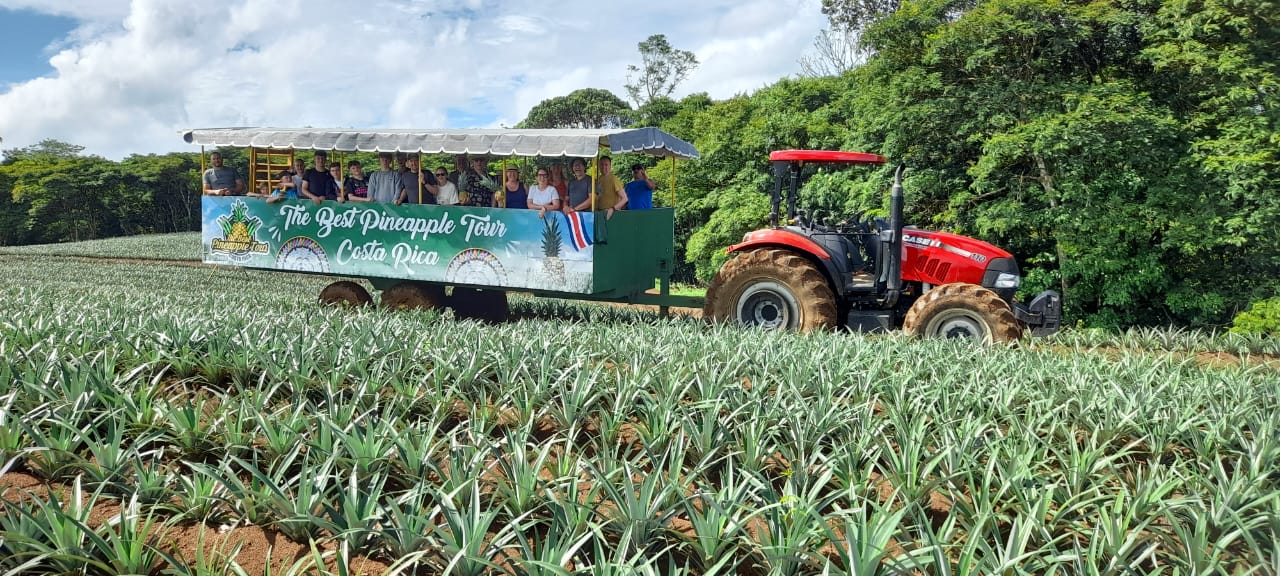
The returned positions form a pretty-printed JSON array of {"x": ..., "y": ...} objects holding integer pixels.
[{"x": 267, "y": 165}]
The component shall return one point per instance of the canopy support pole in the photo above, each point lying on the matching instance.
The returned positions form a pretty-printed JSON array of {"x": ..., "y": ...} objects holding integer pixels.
[{"x": 673, "y": 181}]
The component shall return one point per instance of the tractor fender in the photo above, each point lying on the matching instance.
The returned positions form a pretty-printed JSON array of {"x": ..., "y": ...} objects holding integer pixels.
[{"x": 802, "y": 245}]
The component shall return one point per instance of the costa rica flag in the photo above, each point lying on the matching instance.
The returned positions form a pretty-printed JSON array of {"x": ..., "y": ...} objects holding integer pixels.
[{"x": 579, "y": 227}]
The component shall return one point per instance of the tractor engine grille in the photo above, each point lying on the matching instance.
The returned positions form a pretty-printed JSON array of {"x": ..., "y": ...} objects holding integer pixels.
[{"x": 935, "y": 269}]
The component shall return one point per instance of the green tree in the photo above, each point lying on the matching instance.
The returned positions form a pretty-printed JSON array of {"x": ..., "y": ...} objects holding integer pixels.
[
  {"x": 68, "y": 199},
  {"x": 168, "y": 192},
  {"x": 1104, "y": 143},
  {"x": 662, "y": 68},
  {"x": 583, "y": 108},
  {"x": 48, "y": 149},
  {"x": 725, "y": 194},
  {"x": 13, "y": 215}
]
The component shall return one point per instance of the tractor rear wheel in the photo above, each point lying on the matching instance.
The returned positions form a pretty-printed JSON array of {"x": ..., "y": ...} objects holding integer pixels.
[
  {"x": 771, "y": 289},
  {"x": 962, "y": 311},
  {"x": 413, "y": 296},
  {"x": 484, "y": 305},
  {"x": 345, "y": 293}
]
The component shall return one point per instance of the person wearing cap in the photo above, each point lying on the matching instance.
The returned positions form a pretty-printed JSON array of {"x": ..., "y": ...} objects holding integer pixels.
[
  {"x": 221, "y": 180},
  {"x": 385, "y": 184},
  {"x": 640, "y": 190},
  {"x": 284, "y": 190},
  {"x": 610, "y": 195},
  {"x": 477, "y": 184},
  {"x": 317, "y": 183}
]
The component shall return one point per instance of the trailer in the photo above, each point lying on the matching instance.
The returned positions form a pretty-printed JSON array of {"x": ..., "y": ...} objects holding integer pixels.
[{"x": 432, "y": 256}]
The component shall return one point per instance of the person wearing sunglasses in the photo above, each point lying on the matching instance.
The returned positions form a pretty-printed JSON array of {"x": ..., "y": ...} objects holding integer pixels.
[
  {"x": 446, "y": 191},
  {"x": 543, "y": 197}
]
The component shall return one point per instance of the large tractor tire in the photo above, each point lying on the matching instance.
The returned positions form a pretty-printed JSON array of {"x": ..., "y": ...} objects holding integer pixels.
[
  {"x": 345, "y": 293},
  {"x": 962, "y": 311},
  {"x": 413, "y": 296},
  {"x": 771, "y": 289},
  {"x": 484, "y": 305}
]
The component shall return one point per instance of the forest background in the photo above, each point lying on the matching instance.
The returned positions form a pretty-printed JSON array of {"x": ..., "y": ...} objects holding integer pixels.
[{"x": 1126, "y": 151}]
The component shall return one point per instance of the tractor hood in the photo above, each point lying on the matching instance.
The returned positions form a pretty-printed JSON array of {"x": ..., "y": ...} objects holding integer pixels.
[{"x": 942, "y": 257}]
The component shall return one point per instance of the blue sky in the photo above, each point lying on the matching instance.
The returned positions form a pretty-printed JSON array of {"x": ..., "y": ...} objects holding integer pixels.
[
  {"x": 126, "y": 76},
  {"x": 25, "y": 37}
]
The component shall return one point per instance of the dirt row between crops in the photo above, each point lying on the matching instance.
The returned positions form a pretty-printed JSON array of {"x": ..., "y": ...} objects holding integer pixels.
[{"x": 257, "y": 550}]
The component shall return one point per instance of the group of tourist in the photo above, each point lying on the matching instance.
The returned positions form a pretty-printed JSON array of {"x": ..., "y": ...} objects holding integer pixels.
[{"x": 470, "y": 184}]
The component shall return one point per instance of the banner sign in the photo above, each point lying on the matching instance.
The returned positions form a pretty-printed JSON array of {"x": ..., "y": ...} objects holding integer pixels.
[{"x": 499, "y": 247}]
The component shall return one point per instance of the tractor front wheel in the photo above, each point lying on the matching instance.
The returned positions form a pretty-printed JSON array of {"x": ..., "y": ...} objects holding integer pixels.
[
  {"x": 962, "y": 311},
  {"x": 345, "y": 293},
  {"x": 412, "y": 296},
  {"x": 771, "y": 289}
]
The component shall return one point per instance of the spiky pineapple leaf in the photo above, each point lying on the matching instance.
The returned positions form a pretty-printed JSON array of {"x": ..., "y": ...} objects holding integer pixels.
[{"x": 551, "y": 236}]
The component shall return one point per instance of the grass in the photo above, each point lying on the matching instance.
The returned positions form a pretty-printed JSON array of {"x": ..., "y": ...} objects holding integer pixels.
[
  {"x": 682, "y": 289},
  {"x": 176, "y": 246}
]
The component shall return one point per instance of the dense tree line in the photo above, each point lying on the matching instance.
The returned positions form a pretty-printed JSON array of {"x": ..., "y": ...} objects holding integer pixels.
[
  {"x": 52, "y": 192},
  {"x": 1127, "y": 152}
]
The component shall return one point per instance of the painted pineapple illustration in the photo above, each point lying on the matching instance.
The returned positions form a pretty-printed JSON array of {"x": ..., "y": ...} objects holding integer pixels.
[
  {"x": 552, "y": 265},
  {"x": 239, "y": 228}
]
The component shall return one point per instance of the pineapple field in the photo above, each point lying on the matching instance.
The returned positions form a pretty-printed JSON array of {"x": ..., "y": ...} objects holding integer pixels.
[{"x": 181, "y": 419}]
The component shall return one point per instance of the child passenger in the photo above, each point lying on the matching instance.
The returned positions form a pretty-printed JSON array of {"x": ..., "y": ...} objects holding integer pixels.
[
  {"x": 264, "y": 190},
  {"x": 284, "y": 190},
  {"x": 355, "y": 187}
]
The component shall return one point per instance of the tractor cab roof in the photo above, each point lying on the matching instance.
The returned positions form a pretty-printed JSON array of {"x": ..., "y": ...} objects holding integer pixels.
[{"x": 826, "y": 156}]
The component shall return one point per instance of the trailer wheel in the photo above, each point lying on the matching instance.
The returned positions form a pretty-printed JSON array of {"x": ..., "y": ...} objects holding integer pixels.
[
  {"x": 962, "y": 311},
  {"x": 771, "y": 289},
  {"x": 485, "y": 305},
  {"x": 413, "y": 296},
  {"x": 345, "y": 293}
]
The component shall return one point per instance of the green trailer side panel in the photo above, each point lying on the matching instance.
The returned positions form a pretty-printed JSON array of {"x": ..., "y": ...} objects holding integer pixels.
[
  {"x": 579, "y": 255},
  {"x": 633, "y": 249},
  {"x": 485, "y": 247}
]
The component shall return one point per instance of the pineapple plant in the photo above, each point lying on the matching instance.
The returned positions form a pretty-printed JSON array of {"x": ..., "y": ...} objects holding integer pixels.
[{"x": 552, "y": 265}]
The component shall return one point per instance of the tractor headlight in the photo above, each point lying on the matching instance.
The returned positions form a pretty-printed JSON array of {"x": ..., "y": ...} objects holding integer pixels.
[{"x": 1007, "y": 280}]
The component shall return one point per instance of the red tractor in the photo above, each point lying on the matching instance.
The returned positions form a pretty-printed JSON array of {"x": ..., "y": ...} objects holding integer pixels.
[{"x": 870, "y": 274}]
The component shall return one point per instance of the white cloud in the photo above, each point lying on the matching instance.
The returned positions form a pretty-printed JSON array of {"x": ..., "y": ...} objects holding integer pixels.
[{"x": 138, "y": 72}]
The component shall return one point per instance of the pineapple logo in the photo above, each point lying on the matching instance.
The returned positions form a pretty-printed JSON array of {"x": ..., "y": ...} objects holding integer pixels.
[
  {"x": 552, "y": 265},
  {"x": 239, "y": 235}
]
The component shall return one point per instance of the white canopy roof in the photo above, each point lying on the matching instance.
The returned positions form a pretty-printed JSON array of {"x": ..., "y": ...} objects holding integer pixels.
[{"x": 584, "y": 143}]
